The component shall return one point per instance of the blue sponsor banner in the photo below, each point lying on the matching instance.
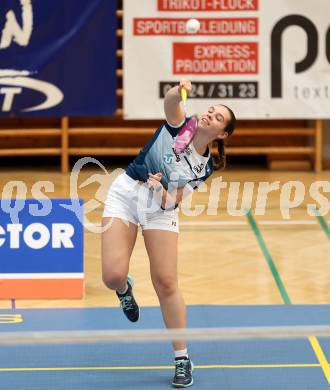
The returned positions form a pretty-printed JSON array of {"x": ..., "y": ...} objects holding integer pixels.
[
  {"x": 41, "y": 236},
  {"x": 57, "y": 57}
]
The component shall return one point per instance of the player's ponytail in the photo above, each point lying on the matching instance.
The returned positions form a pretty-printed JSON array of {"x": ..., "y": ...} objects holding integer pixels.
[{"x": 219, "y": 161}]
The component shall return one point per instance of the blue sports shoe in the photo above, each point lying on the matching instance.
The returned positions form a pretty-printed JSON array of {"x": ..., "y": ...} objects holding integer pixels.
[
  {"x": 128, "y": 303},
  {"x": 183, "y": 373}
]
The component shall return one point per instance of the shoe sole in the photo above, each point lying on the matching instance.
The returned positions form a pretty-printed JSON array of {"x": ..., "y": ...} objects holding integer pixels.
[{"x": 182, "y": 386}]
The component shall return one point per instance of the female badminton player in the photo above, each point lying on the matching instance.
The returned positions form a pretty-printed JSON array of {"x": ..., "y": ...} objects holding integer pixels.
[{"x": 147, "y": 194}]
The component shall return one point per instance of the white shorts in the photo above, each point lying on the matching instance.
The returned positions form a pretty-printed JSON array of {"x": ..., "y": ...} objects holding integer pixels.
[{"x": 133, "y": 201}]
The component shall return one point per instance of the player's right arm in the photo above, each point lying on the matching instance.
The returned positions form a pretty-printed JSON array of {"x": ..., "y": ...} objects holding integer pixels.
[
  {"x": 173, "y": 110},
  {"x": 166, "y": 199}
]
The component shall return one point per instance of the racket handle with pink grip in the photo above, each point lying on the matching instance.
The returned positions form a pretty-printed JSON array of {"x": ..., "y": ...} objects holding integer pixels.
[{"x": 185, "y": 135}]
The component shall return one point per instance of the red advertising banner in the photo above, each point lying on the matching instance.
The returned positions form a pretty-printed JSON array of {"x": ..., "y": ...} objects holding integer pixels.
[
  {"x": 208, "y": 5},
  {"x": 208, "y": 26},
  {"x": 215, "y": 58}
]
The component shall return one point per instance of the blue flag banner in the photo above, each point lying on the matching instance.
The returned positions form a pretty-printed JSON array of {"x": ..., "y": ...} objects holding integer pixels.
[{"x": 57, "y": 57}]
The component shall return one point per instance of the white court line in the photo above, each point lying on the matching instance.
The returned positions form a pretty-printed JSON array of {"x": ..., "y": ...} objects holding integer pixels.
[
  {"x": 265, "y": 222},
  {"x": 298, "y": 222},
  {"x": 211, "y": 223},
  {"x": 232, "y": 223}
]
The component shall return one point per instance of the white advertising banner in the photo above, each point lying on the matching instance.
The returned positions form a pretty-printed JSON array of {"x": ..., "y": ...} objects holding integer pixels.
[{"x": 265, "y": 59}]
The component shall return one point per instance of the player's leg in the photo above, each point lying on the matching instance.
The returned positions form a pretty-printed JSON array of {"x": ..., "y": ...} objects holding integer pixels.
[
  {"x": 161, "y": 246},
  {"x": 118, "y": 241}
]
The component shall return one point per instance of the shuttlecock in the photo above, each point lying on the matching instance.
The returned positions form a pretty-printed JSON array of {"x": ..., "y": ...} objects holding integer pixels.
[{"x": 192, "y": 26}]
